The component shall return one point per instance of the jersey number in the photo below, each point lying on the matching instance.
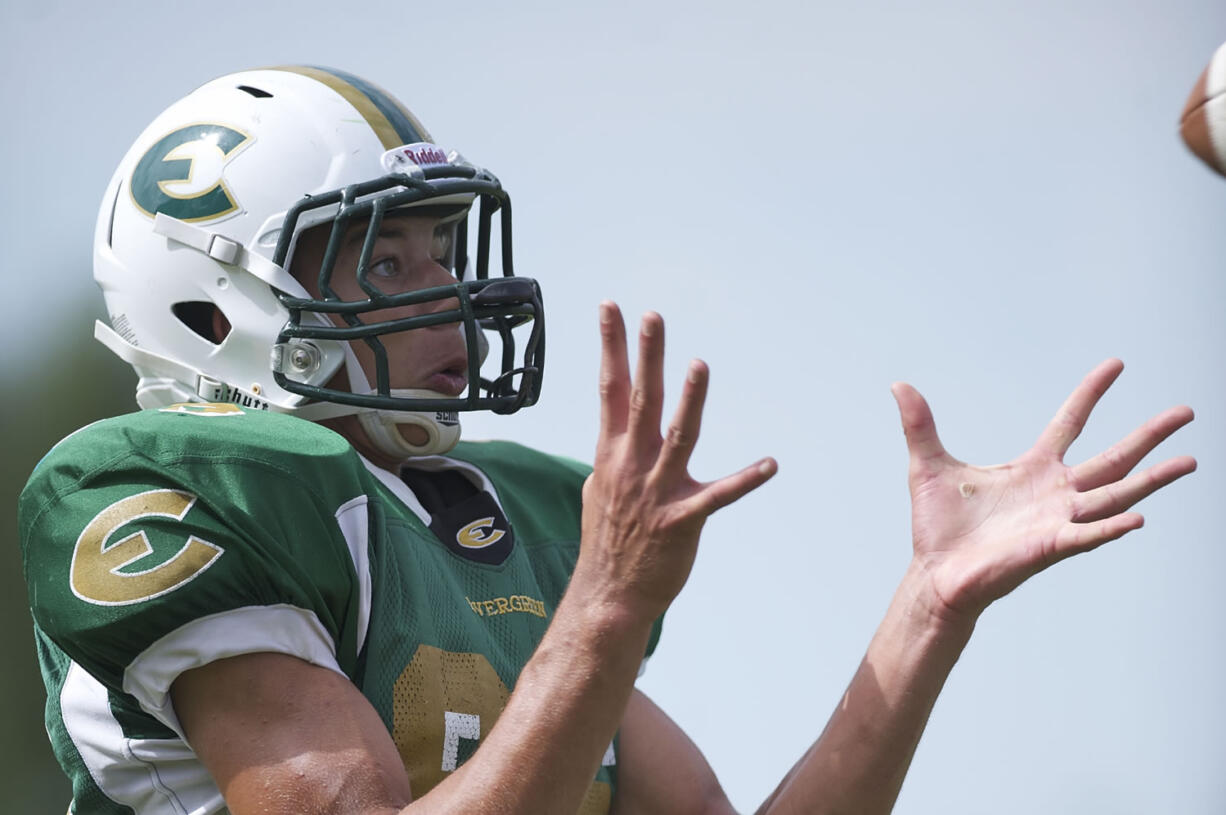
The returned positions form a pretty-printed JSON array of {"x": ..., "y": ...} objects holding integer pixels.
[
  {"x": 95, "y": 576},
  {"x": 426, "y": 725}
]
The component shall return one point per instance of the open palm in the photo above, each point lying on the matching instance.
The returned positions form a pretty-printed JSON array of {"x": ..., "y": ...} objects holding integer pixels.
[{"x": 979, "y": 532}]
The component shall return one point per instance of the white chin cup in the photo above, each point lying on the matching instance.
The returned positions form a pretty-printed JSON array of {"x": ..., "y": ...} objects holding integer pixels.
[{"x": 383, "y": 427}]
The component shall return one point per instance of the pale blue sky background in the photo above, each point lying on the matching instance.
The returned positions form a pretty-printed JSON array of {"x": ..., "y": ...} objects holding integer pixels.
[{"x": 984, "y": 199}]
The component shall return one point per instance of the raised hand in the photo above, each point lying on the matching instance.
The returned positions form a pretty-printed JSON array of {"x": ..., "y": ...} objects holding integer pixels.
[
  {"x": 642, "y": 511},
  {"x": 979, "y": 532}
]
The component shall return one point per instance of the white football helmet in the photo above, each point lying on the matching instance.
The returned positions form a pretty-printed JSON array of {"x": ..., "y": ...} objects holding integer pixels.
[{"x": 205, "y": 209}]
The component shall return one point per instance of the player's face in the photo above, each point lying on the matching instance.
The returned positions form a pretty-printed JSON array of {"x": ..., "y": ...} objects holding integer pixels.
[{"x": 410, "y": 254}]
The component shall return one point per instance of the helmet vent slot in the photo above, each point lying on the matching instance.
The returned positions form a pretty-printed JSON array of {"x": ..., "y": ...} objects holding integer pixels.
[
  {"x": 204, "y": 318},
  {"x": 256, "y": 92},
  {"x": 110, "y": 221}
]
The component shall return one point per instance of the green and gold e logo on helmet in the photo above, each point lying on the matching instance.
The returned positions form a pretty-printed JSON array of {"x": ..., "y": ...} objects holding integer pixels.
[{"x": 180, "y": 174}]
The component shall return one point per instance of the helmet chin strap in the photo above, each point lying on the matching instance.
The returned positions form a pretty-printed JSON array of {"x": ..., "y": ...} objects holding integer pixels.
[{"x": 384, "y": 427}]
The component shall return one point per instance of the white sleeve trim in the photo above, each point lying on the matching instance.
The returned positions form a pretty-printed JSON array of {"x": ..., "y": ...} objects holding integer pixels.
[
  {"x": 353, "y": 518},
  {"x": 151, "y": 776},
  {"x": 281, "y": 629}
]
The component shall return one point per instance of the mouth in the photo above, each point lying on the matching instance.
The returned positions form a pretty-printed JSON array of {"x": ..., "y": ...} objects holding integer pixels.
[{"x": 451, "y": 379}]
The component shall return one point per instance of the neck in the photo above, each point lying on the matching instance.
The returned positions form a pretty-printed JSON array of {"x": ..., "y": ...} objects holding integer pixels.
[{"x": 351, "y": 429}]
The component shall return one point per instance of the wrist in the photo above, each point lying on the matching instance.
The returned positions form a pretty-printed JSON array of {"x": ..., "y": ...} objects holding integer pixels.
[
  {"x": 590, "y": 646},
  {"x": 611, "y": 601},
  {"x": 928, "y": 609}
]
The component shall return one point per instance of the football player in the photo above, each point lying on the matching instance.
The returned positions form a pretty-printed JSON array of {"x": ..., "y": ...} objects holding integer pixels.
[{"x": 285, "y": 586}]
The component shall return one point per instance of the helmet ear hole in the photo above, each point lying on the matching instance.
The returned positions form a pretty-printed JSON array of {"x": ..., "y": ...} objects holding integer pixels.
[{"x": 204, "y": 318}]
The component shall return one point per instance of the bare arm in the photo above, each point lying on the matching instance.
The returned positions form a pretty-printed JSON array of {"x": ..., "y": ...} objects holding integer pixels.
[
  {"x": 978, "y": 533},
  {"x": 282, "y": 736},
  {"x": 660, "y": 771}
]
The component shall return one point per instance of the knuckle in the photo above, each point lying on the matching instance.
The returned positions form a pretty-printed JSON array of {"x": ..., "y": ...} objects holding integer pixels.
[
  {"x": 639, "y": 398},
  {"x": 1114, "y": 499},
  {"x": 606, "y": 385},
  {"x": 659, "y": 526},
  {"x": 679, "y": 437},
  {"x": 1076, "y": 508},
  {"x": 1070, "y": 477},
  {"x": 1113, "y": 456}
]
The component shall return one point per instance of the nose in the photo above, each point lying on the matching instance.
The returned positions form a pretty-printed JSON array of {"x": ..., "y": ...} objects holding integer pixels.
[{"x": 435, "y": 274}]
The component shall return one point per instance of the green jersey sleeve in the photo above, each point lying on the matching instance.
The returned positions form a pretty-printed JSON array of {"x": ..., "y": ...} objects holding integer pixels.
[{"x": 160, "y": 541}]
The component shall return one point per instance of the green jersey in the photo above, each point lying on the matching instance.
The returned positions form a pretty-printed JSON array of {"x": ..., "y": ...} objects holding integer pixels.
[{"x": 157, "y": 542}]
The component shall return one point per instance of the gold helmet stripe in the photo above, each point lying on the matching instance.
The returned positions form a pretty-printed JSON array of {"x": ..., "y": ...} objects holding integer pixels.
[{"x": 392, "y": 122}]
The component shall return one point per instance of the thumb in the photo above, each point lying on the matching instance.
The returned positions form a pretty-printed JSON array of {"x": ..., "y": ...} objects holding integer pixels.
[{"x": 923, "y": 443}]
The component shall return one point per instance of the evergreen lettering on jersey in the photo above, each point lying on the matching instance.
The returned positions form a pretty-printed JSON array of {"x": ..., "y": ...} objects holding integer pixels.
[{"x": 506, "y": 605}]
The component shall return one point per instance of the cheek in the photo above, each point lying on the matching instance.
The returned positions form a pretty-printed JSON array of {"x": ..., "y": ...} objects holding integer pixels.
[{"x": 404, "y": 350}]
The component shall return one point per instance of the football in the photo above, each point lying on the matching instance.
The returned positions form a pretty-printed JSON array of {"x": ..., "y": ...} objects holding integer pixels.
[{"x": 1203, "y": 123}]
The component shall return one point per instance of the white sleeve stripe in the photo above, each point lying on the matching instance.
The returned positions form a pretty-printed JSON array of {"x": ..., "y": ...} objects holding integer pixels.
[
  {"x": 152, "y": 776},
  {"x": 281, "y": 629},
  {"x": 354, "y": 521}
]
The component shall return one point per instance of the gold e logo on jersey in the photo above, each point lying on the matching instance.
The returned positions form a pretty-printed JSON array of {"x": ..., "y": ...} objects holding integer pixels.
[
  {"x": 203, "y": 409},
  {"x": 95, "y": 575},
  {"x": 473, "y": 535}
]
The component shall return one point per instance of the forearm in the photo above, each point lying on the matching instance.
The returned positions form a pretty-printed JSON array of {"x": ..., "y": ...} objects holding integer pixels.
[
  {"x": 547, "y": 745},
  {"x": 282, "y": 735},
  {"x": 642, "y": 515},
  {"x": 858, "y": 763}
]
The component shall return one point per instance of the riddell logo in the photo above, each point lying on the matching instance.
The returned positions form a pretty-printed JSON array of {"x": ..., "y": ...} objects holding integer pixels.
[
  {"x": 409, "y": 157},
  {"x": 424, "y": 156}
]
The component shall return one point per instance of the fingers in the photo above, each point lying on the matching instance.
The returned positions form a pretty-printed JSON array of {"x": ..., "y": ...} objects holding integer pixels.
[
  {"x": 647, "y": 394},
  {"x": 719, "y": 494},
  {"x": 1118, "y": 496},
  {"x": 1077, "y": 538},
  {"x": 1066, "y": 426},
  {"x": 614, "y": 371},
  {"x": 632, "y": 410},
  {"x": 1118, "y": 460},
  {"x": 682, "y": 432},
  {"x": 922, "y": 441}
]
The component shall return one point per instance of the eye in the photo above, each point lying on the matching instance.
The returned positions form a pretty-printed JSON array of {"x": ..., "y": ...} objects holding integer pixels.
[
  {"x": 384, "y": 267},
  {"x": 440, "y": 246}
]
